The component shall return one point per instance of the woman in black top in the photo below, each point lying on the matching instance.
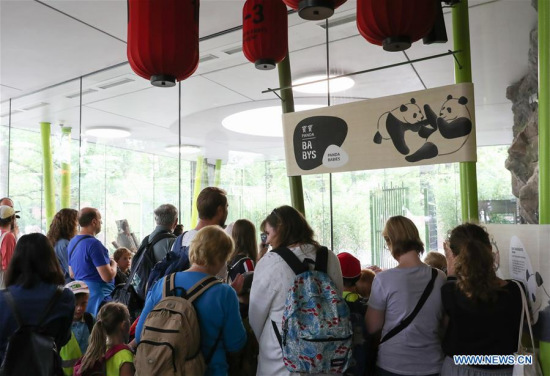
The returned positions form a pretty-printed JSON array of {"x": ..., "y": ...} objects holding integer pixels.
[
  {"x": 482, "y": 311},
  {"x": 33, "y": 279},
  {"x": 245, "y": 254}
]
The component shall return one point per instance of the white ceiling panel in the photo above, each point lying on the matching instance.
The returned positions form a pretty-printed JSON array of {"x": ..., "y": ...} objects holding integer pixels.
[
  {"x": 7, "y": 92},
  {"x": 111, "y": 16},
  {"x": 41, "y": 47},
  {"x": 159, "y": 106},
  {"x": 251, "y": 81}
]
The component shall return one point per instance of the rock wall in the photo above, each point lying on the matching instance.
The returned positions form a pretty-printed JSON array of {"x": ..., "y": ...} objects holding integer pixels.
[{"x": 523, "y": 154}]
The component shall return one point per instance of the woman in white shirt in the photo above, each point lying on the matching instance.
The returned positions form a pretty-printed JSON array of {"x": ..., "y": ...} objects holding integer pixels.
[{"x": 286, "y": 227}]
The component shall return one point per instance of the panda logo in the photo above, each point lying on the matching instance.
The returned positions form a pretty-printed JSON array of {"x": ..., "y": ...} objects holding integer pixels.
[
  {"x": 440, "y": 133},
  {"x": 402, "y": 125}
]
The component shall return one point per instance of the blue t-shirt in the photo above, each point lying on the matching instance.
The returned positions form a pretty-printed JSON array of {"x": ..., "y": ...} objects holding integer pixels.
[
  {"x": 31, "y": 304},
  {"x": 63, "y": 257},
  {"x": 81, "y": 333},
  {"x": 88, "y": 255},
  {"x": 217, "y": 310}
]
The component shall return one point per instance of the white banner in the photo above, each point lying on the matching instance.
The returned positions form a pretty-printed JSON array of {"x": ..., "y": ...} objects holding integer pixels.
[
  {"x": 522, "y": 253},
  {"x": 423, "y": 127}
]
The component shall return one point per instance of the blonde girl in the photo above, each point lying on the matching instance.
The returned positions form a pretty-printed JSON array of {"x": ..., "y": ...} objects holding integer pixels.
[{"x": 107, "y": 341}]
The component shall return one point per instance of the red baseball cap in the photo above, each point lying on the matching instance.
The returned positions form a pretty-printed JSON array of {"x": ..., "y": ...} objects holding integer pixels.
[{"x": 351, "y": 266}]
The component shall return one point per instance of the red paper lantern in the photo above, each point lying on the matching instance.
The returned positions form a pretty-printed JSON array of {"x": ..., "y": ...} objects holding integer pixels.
[
  {"x": 395, "y": 24},
  {"x": 314, "y": 10},
  {"x": 265, "y": 32},
  {"x": 163, "y": 39}
]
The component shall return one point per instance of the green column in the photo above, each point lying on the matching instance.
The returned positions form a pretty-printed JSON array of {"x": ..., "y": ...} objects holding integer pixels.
[
  {"x": 66, "y": 167},
  {"x": 544, "y": 140},
  {"x": 287, "y": 102},
  {"x": 544, "y": 112},
  {"x": 49, "y": 188},
  {"x": 461, "y": 37},
  {"x": 217, "y": 173},
  {"x": 196, "y": 191}
]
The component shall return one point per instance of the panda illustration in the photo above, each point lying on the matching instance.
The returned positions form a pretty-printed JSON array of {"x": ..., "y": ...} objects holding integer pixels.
[
  {"x": 452, "y": 127},
  {"x": 405, "y": 125}
]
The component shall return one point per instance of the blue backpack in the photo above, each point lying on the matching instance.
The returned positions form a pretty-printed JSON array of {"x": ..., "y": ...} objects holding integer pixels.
[
  {"x": 176, "y": 260},
  {"x": 316, "y": 328}
]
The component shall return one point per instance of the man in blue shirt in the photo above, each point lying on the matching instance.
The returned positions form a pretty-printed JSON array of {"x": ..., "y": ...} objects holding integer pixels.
[{"x": 89, "y": 260}]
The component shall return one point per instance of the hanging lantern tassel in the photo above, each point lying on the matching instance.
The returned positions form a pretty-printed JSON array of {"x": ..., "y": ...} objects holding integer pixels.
[
  {"x": 438, "y": 34},
  {"x": 314, "y": 10},
  {"x": 395, "y": 24},
  {"x": 265, "y": 32},
  {"x": 163, "y": 39}
]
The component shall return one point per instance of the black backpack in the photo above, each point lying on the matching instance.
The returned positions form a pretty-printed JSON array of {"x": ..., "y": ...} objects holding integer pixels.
[
  {"x": 145, "y": 262},
  {"x": 360, "y": 339},
  {"x": 30, "y": 351}
]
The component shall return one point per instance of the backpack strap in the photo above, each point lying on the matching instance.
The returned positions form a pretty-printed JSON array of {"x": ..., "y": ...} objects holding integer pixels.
[
  {"x": 177, "y": 244},
  {"x": 169, "y": 285},
  {"x": 89, "y": 320},
  {"x": 321, "y": 260},
  {"x": 291, "y": 259},
  {"x": 213, "y": 349},
  {"x": 114, "y": 350},
  {"x": 51, "y": 304},
  {"x": 158, "y": 237},
  {"x": 79, "y": 240},
  {"x": 201, "y": 286},
  {"x": 410, "y": 318},
  {"x": 277, "y": 334},
  {"x": 143, "y": 252},
  {"x": 8, "y": 297}
]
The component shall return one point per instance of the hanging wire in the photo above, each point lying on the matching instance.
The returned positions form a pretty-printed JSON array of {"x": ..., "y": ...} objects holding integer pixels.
[
  {"x": 179, "y": 152},
  {"x": 270, "y": 90},
  {"x": 328, "y": 104},
  {"x": 79, "y": 143},
  {"x": 9, "y": 148}
]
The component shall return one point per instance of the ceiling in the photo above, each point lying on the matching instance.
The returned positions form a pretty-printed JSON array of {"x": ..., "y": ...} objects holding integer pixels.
[{"x": 50, "y": 44}]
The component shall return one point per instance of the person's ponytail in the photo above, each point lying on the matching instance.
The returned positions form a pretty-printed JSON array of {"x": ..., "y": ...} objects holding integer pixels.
[{"x": 96, "y": 348}]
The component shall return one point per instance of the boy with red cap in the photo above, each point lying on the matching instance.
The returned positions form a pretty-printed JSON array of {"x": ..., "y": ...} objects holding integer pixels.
[{"x": 351, "y": 272}]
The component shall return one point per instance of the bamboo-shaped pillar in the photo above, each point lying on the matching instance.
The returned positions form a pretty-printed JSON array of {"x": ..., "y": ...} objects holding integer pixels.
[
  {"x": 461, "y": 37},
  {"x": 544, "y": 142},
  {"x": 196, "y": 190},
  {"x": 66, "y": 167},
  {"x": 49, "y": 188},
  {"x": 287, "y": 103},
  {"x": 218, "y": 173}
]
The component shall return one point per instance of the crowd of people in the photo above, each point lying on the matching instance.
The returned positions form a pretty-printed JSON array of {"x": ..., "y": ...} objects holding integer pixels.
[{"x": 213, "y": 301}]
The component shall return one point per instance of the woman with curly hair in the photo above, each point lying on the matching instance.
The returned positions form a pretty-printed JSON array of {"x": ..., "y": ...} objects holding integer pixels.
[
  {"x": 62, "y": 229},
  {"x": 482, "y": 311}
]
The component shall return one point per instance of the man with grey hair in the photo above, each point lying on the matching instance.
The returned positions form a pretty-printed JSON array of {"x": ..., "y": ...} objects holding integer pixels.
[
  {"x": 155, "y": 246},
  {"x": 166, "y": 218}
]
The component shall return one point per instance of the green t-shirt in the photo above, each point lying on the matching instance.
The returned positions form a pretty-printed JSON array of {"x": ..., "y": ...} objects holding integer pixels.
[{"x": 114, "y": 364}]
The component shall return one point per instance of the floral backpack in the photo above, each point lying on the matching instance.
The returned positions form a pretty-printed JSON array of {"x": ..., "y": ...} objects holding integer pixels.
[{"x": 316, "y": 328}]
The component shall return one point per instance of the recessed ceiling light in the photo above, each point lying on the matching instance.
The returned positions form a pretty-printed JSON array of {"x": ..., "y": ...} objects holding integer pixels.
[
  {"x": 336, "y": 84},
  {"x": 264, "y": 121},
  {"x": 185, "y": 149},
  {"x": 107, "y": 132}
]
